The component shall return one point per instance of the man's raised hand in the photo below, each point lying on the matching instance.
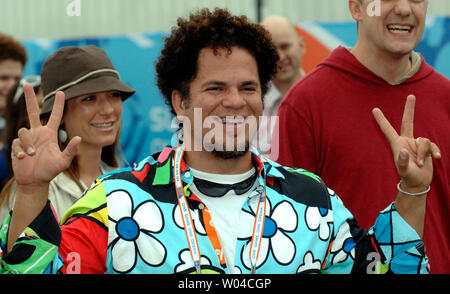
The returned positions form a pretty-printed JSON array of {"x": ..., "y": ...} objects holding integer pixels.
[{"x": 412, "y": 156}]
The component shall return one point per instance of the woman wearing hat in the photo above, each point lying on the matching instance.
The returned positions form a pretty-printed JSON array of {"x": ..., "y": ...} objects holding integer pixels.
[{"x": 92, "y": 111}]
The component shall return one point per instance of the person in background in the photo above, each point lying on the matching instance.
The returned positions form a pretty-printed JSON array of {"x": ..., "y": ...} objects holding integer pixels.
[
  {"x": 223, "y": 209},
  {"x": 290, "y": 48},
  {"x": 94, "y": 95},
  {"x": 325, "y": 127},
  {"x": 16, "y": 118},
  {"x": 13, "y": 58}
]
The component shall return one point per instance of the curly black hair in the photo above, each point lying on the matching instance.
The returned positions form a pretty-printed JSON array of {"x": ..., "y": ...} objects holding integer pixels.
[{"x": 177, "y": 65}]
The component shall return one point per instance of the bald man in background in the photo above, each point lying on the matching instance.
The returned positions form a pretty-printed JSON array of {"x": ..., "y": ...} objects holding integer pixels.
[{"x": 291, "y": 48}]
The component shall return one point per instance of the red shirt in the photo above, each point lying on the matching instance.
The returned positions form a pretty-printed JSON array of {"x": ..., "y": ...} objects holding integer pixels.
[{"x": 326, "y": 127}]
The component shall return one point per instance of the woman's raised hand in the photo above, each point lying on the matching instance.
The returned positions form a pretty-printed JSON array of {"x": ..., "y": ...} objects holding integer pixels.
[{"x": 36, "y": 155}]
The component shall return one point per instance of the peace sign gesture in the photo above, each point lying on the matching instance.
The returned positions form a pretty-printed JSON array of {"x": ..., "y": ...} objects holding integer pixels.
[
  {"x": 36, "y": 156},
  {"x": 413, "y": 157}
]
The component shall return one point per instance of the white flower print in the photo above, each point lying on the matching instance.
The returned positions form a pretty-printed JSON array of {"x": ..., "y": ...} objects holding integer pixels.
[
  {"x": 187, "y": 265},
  {"x": 309, "y": 264},
  {"x": 343, "y": 245},
  {"x": 319, "y": 219},
  {"x": 236, "y": 271},
  {"x": 282, "y": 219},
  {"x": 131, "y": 232},
  {"x": 195, "y": 218}
]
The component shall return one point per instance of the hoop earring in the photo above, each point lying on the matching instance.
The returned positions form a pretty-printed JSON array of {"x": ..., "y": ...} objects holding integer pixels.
[{"x": 62, "y": 135}]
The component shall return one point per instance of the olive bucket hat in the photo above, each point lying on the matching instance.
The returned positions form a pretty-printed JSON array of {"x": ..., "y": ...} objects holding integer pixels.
[{"x": 79, "y": 71}]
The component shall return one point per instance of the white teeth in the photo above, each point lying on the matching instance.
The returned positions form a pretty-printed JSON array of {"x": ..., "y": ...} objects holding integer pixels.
[
  {"x": 102, "y": 125},
  {"x": 400, "y": 28}
]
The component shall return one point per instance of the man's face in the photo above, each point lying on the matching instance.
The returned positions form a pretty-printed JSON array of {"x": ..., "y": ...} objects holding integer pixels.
[
  {"x": 10, "y": 73},
  {"x": 290, "y": 49},
  {"x": 225, "y": 96},
  {"x": 397, "y": 29}
]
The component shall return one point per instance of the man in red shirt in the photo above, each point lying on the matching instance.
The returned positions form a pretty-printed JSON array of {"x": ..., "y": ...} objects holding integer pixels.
[{"x": 324, "y": 126}]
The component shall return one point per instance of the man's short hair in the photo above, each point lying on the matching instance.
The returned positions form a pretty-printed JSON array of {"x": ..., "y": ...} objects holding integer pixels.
[
  {"x": 177, "y": 65},
  {"x": 12, "y": 49}
]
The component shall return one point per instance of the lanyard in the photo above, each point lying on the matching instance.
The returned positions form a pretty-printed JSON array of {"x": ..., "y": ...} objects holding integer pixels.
[
  {"x": 189, "y": 228},
  {"x": 212, "y": 235},
  {"x": 185, "y": 212},
  {"x": 258, "y": 228}
]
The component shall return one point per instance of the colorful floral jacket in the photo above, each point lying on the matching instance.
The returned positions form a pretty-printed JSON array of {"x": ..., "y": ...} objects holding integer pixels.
[{"x": 129, "y": 222}]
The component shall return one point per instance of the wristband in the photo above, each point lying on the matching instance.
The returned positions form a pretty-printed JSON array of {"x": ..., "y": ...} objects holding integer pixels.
[{"x": 412, "y": 194}]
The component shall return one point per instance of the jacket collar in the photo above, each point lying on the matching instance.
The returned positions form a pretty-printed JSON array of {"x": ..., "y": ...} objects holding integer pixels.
[{"x": 164, "y": 168}]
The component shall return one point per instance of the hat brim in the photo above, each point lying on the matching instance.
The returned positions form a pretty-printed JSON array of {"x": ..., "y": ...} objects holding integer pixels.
[{"x": 100, "y": 84}]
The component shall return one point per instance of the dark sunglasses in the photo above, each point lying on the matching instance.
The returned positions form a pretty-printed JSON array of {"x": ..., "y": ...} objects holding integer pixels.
[
  {"x": 218, "y": 190},
  {"x": 35, "y": 81}
]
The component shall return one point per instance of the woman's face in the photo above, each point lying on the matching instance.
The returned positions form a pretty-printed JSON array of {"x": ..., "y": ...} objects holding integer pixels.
[{"x": 94, "y": 117}]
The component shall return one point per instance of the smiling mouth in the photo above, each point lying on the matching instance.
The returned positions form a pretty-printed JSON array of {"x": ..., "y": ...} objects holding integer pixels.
[
  {"x": 233, "y": 120},
  {"x": 283, "y": 66},
  {"x": 229, "y": 120},
  {"x": 232, "y": 124},
  {"x": 103, "y": 125},
  {"x": 400, "y": 29}
]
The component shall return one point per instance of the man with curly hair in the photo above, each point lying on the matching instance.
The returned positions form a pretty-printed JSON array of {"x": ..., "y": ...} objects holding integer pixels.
[{"x": 218, "y": 208}]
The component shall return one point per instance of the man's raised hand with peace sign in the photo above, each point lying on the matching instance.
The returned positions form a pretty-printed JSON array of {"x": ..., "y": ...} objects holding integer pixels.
[{"x": 414, "y": 161}]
